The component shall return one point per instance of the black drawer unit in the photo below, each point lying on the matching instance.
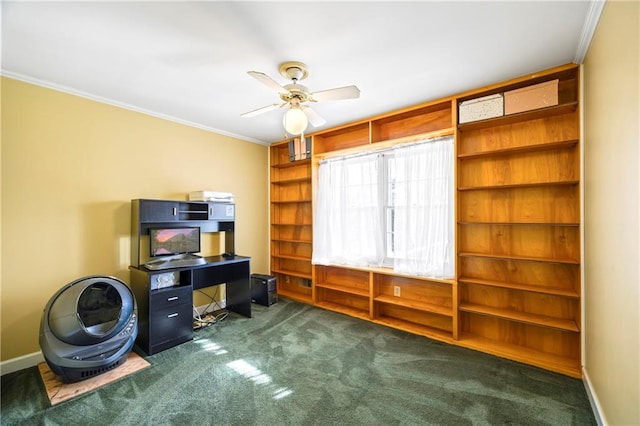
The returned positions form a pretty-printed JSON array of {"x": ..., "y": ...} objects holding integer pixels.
[
  {"x": 170, "y": 327},
  {"x": 165, "y": 316},
  {"x": 167, "y": 299}
]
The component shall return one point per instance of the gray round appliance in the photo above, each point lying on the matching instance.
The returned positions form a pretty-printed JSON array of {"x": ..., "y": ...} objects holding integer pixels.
[{"x": 88, "y": 327}]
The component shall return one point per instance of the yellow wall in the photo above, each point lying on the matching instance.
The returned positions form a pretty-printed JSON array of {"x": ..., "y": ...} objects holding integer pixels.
[
  {"x": 612, "y": 235},
  {"x": 70, "y": 167}
]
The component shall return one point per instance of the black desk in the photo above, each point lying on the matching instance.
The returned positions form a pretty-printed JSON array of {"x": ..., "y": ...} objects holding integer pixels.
[{"x": 165, "y": 315}]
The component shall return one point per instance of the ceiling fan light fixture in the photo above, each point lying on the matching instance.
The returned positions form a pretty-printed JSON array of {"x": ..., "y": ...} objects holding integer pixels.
[{"x": 295, "y": 121}]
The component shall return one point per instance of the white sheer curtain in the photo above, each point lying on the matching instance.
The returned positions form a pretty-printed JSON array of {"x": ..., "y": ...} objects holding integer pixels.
[
  {"x": 347, "y": 226},
  {"x": 423, "y": 202},
  {"x": 402, "y": 198}
]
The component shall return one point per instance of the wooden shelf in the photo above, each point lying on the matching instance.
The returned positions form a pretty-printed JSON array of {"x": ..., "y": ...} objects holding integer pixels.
[
  {"x": 344, "y": 289},
  {"x": 299, "y": 297},
  {"x": 290, "y": 224},
  {"x": 390, "y": 271},
  {"x": 288, "y": 181},
  {"x": 375, "y": 146},
  {"x": 519, "y": 117},
  {"x": 413, "y": 138},
  {"x": 291, "y": 256},
  {"x": 524, "y": 317},
  {"x": 291, "y": 273},
  {"x": 414, "y": 304},
  {"x": 291, "y": 164},
  {"x": 289, "y": 240},
  {"x": 344, "y": 310},
  {"x": 412, "y": 327},
  {"x": 290, "y": 201},
  {"x": 519, "y": 149},
  {"x": 525, "y": 258},
  {"x": 519, "y": 185},
  {"x": 567, "y": 366},
  {"x": 523, "y": 287},
  {"x": 467, "y": 223}
]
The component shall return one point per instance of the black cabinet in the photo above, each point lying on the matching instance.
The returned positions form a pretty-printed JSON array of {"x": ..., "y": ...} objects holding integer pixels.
[
  {"x": 171, "y": 318},
  {"x": 165, "y": 316},
  {"x": 158, "y": 211}
]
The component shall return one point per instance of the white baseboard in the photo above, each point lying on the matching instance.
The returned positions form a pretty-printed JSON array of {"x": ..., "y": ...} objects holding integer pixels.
[
  {"x": 31, "y": 360},
  {"x": 593, "y": 399},
  {"x": 222, "y": 304},
  {"x": 21, "y": 362}
]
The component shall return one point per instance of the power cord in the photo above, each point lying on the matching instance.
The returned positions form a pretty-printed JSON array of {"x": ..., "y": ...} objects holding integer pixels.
[{"x": 207, "y": 317}]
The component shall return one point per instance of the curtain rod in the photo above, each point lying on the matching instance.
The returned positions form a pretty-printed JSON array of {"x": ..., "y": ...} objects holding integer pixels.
[{"x": 382, "y": 151}]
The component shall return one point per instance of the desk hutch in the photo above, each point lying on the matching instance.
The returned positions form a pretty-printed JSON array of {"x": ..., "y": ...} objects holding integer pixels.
[{"x": 165, "y": 315}]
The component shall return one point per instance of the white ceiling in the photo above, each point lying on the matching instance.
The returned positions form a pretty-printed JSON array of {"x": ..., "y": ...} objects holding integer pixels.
[{"x": 188, "y": 61}]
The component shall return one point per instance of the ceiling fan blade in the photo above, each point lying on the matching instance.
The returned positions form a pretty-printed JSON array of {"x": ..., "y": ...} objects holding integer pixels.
[
  {"x": 267, "y": 81},
  {"x": 262, "y": 110},
  {"x": 347, "y": 92},
  {"x": 313, "y": 117}
]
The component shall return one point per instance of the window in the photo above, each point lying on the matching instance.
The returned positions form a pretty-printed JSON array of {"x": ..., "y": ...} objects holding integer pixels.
[{"x": 388, "y": 208}]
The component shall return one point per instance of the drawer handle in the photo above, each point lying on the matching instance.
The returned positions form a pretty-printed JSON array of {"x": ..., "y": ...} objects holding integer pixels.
[
  {"x": 175, "y": 314},
  {"x": 171, "y": 299}
]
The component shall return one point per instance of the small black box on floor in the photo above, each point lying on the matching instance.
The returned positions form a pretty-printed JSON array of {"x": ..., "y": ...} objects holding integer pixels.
[{"x": 263, "y": 289}]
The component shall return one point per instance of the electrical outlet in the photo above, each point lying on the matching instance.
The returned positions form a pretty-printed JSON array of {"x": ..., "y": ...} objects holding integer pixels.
[{"x": 396, "y": 290}]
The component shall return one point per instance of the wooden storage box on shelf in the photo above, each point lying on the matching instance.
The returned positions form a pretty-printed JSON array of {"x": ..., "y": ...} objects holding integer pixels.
[
  {"x": 490, "y": 106},
  {"x": 532, "y": 97}
]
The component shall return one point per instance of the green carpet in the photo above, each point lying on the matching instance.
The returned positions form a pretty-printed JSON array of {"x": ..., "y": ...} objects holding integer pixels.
[{"x": 292, "y": 364}]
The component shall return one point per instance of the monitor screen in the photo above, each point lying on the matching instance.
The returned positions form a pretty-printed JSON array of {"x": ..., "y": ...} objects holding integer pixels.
[{"x": 168, "y": 241}]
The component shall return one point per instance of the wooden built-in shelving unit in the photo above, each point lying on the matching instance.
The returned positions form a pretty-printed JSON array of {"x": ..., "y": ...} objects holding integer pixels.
[
  {"x": 517, "y": 290},
  {"x": 291, "y": 224}
]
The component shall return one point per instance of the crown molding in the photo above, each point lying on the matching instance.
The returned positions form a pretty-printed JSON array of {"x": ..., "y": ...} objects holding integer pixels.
[
  {"x": 589, "y": 29},
  {"x": 70, "y": 91}
]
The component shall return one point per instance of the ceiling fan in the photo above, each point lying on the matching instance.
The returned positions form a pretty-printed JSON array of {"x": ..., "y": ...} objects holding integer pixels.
[{"x": 296, "y": 95}]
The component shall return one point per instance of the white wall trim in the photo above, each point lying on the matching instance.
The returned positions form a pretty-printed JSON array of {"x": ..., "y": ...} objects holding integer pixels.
[
  {"x": 21, "y": 362},
  {"x": 588, "y": 29},
  {"x": 593, "y": 399},
  {"x": 222, "y": 303},
  {"x": 70, "y": 91},
  {"x": 33, "y": 359}
]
